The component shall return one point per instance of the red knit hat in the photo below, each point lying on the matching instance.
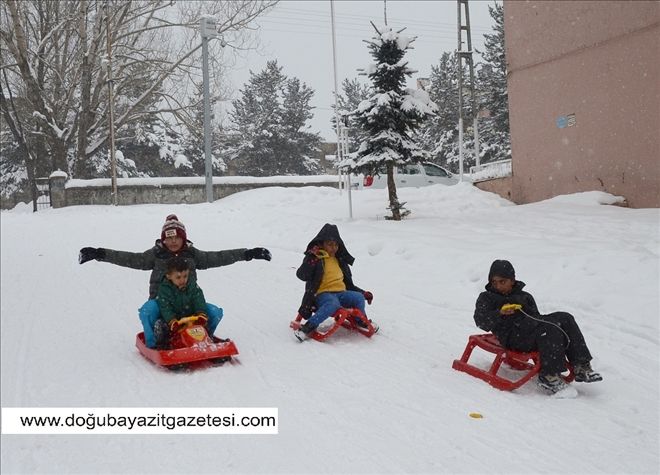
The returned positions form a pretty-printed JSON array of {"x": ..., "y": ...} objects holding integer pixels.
[{"x": 173, "y": 227}]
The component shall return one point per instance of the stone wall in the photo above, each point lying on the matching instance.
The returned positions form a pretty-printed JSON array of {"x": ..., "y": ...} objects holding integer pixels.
[{"x": 68, "y": 195}]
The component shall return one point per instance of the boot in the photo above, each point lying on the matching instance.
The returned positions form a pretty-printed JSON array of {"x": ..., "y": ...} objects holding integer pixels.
[{"x": 585, "y": 374}]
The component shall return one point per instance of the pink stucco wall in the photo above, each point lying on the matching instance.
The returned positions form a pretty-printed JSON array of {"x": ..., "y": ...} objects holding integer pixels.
[{"x": 584, "y": 98}]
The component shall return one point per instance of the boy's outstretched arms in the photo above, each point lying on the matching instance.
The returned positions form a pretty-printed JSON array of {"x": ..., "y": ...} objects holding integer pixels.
[
  {"x": 258, "y": 253},
  {"x": 90, "y": 253}
]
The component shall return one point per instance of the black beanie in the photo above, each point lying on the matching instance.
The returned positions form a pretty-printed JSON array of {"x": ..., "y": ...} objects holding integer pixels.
[{"x": 501, "y": 268}]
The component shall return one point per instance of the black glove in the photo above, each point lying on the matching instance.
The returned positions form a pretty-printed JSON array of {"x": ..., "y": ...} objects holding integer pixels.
[
  {"x": 89, "y": 253},
  {"x": 258, "y": 253}
]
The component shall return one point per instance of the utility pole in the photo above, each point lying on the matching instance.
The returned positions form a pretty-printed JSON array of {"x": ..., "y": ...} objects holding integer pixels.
[
  {"x": 465, "y": 57},
  {"x": 340, "y": 156},
  {"x": 343, "y": 132},
  {"x": 111, "y": 109},
  {"x": 334, "y": 70},
  {"x": 207, "y": 30}
]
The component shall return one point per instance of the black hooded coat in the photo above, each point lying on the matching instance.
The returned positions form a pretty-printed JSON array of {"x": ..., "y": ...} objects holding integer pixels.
[
  {"x": 312, "y": 268},
  {"x": 487, "y": 313}
]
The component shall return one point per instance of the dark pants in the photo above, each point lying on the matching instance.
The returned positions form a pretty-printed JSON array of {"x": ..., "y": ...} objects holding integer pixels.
[{"x": 551, "y": 343}]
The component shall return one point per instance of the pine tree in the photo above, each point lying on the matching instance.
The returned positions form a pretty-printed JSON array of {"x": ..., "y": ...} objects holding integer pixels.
[
  {"x": 439, "y": 134},
  {"x": 391, "y": 116},
  {"x": 354, "y": 92},
  {"x": 494, "y": 130},
  {"x": 268, "y": 130}
]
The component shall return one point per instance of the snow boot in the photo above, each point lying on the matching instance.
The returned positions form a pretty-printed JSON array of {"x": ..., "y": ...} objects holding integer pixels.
[
  {"x": 585, "y": 374},
  {"x": 302, "y": 333},
  {"x": 552, "y": 382},
  {"x": 361, "y": 324},
  {"x": 161, "y": 334}
]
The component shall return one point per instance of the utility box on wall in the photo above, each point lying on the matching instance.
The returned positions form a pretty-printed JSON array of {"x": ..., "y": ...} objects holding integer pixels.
[{"x": 584, "y": 100}]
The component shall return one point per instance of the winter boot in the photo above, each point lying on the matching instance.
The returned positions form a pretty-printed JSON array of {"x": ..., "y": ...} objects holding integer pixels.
[
  {"x": 363, "y": 325},
  {"x": 162, "y": 334},
  {"x": 303, "y": 332},
  {"x": 585, "y": 374},
  {"x": 552, "y": 382}
]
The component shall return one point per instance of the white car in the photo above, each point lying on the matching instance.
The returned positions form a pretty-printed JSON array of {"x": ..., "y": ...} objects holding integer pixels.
[{"x": 419, "y": 174}]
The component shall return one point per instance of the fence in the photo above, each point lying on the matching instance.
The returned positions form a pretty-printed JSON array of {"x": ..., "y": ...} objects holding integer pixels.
[{"x": 488, "y": 171}]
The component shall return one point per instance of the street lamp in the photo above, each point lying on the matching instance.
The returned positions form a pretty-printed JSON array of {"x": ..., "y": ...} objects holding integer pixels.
[
  {"x": 111, "y": 111},
  {"x": 207, "y": 28}
]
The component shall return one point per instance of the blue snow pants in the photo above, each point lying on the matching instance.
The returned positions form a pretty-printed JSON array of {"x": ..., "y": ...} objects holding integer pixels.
[
  {"x": 328, "y": 303},
  {"x": 150, "y": 312}
]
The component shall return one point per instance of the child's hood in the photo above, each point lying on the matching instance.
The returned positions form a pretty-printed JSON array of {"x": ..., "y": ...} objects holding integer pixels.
[{"x": 330, "y": 232}]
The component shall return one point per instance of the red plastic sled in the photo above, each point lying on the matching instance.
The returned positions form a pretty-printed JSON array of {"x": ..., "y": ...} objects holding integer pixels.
[
  {"x": 514, "y": 359},
  {"x": 344, "y": 317},
  {"x": 190, "y": 345}
]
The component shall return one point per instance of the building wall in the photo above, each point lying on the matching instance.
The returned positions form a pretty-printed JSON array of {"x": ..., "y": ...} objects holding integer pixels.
[
  {"x": 584, "y": 98},
  {"x": 500, "y": 186}
]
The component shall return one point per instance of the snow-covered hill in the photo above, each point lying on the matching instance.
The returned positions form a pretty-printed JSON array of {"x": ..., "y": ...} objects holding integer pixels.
[{"x": 390, "y": 404}]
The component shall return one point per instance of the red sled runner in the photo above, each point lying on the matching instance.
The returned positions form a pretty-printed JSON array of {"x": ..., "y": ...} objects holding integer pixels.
[
  {"x": 528, "y": 362},
  {"x": 344, "y": 317},
  {"x": 191, "y": 344}
]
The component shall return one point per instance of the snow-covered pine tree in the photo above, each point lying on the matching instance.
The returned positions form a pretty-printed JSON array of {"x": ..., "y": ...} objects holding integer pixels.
[
  {"x": 268, "y": 135},
  {"x": 300, "y": 144},
  {"x": 391, "y": 116},
  {"x": 439, "y": 134},
  {"x": 354, "y": 92},
  {"x": 491, "y": 78}
]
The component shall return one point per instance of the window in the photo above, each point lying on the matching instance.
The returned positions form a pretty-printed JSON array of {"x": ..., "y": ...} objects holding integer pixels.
[
  {"x": 410, "y": 170},
  {"x": 434, "y": 170}
]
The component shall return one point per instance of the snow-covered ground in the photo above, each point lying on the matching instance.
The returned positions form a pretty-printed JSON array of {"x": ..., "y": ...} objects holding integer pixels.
[{"x": 390, "y": 404}]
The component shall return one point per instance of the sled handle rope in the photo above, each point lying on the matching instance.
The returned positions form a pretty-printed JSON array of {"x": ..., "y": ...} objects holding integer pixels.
[{"x": 568, "y": 339}]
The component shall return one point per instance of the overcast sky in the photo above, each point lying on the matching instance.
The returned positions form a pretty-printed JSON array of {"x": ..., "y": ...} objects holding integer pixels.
[{"x": 298, "y": 34}]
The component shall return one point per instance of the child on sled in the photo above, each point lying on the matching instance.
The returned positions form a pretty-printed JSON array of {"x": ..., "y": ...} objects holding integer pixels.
[
  {"x": 328, "y": 281},
  {"x": 556, "y": 336},
  {"x": 178, "y": 296},
  {"x": 173, "y": 242}
]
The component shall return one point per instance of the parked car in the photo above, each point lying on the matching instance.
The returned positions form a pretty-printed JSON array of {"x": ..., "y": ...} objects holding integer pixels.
[{"x": 419, "y": 174}]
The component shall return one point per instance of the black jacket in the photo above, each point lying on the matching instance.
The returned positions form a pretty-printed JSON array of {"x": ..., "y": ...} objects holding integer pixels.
[
  {"x": 487, "y": 312},
  {"x": 155, "y": 260},
  {"x": 312, "y": 268}
]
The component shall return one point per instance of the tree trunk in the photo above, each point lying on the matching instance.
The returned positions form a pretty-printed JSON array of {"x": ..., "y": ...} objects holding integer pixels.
[{"x": 391, "y": 189}]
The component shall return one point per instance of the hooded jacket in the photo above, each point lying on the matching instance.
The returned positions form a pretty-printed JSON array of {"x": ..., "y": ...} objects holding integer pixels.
[
  {"x": 312, "y": 268},
  {"x": 487, "y": 312},
  {"x": 175, "y": 303}
]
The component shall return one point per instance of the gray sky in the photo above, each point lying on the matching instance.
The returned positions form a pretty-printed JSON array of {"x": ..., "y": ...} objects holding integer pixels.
[{"x": 298, "y": 34}]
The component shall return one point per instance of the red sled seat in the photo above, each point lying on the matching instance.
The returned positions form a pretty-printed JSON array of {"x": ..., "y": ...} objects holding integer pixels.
[
  {"x": 344, "y": 317},
  {"x": 527, "y": 362}
]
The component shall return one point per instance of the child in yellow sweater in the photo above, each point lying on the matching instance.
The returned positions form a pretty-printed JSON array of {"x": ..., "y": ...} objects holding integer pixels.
[{"x": 328, "y": 281}]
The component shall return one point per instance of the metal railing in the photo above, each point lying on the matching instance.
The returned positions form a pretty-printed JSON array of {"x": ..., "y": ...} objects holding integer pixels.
[{"x": 488, "y": 171}]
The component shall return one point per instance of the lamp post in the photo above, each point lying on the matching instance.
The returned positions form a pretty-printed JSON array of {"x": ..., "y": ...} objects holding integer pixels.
[
  {"x": 111, "y": 110},
  {"x": 208, "y": 31}
]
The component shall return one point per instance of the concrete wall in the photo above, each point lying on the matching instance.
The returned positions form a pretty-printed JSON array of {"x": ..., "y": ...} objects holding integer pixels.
[
  {"x": 584, "y": 98},
  {"x": 500, "y": 186},
  {"x": 162, "y": 194}
]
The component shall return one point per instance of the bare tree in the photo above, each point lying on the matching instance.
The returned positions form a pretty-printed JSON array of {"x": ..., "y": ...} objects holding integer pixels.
[{"x": 56, "y": 61}]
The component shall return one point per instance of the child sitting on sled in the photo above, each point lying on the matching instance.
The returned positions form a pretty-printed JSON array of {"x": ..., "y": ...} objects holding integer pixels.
[
  {"x": 328, "y": 281},
  {"x": 178, "y": 296},
  {"x": 173, "y": 242},
  {"x": 555, "y": 336}
]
